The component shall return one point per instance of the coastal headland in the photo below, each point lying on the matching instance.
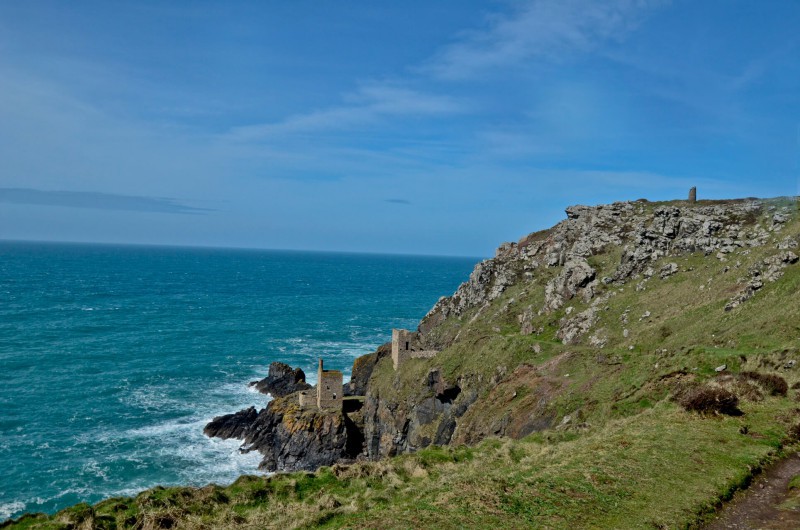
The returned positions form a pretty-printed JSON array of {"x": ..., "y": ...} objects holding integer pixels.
[{"x": 631, "y": 367}]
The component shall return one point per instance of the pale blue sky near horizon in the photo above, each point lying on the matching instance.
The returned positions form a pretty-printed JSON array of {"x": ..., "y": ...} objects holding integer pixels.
[{"x": 375, "y": 126}]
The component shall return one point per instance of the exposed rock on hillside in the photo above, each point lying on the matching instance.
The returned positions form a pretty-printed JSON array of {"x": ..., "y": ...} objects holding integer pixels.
[
  {"x": 770, "y": 271},
  {"x": 523, "y": 413},
  {"x": 576, "y": 278},
  {"x": 643, "y": 232},
  {"x": 394, "y": 426}
]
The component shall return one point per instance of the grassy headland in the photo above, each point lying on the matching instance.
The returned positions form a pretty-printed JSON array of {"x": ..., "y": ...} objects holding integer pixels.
[{"x": 594, "y": 435}]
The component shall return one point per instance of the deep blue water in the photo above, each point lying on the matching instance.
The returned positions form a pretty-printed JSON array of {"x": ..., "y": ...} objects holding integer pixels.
[{"x": 113, "y": 358}]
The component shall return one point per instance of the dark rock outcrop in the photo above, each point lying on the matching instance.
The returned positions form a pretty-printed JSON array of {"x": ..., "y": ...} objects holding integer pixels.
[
  {"x": 282, "y": 380},
  {"x": 231, "y": 425},
  {"x": 395, "y": 425},
  {"x": 291, "y": 437}
]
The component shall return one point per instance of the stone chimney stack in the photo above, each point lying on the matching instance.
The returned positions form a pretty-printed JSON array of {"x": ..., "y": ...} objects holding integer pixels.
[{"x": 693, "y": 195}]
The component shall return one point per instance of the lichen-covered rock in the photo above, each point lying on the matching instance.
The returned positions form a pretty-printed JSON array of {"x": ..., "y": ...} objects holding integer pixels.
[
  {"x": 774, "y": 265},
  {"x": 644, "y": 233},
  {"x": 395, "y": 424},
  {"x": 486, "y": 282},
  {"x": 576, "y": 278},
  {"x": 282, "y": 380},
  {"x": 573, "y": 328},
  {"x": 771, "y": 271},
  {"x": 526, "y": 321},
  {"x": 668, "y": 270},
  {"x": 508, "y": 412}
]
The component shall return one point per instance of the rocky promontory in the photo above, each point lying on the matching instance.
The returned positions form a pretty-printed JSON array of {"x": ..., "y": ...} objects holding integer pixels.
[
  {"x": 292, "y": 437},
  {"x": 604, "y": 282}
]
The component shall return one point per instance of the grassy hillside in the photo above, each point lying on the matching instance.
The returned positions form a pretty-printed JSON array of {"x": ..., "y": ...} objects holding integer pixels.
[
  {"x": 594, "y": 435},
  {"x": 663, "y": 468}
]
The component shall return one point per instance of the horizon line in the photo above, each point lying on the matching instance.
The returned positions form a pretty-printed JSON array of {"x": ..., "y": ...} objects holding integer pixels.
[{"x": 254, "y": 249}]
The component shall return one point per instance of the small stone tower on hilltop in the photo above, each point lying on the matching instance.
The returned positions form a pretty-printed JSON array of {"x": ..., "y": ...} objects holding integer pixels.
[
  {"x": 329, "y": 388},
  {"x": 693, "y": 195}
]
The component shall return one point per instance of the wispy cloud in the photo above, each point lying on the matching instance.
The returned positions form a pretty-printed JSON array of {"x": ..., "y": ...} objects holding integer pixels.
[
  {"x": 96, "y": 201},
  {"x": 398, "y": 201},
  {"x": 546, "y": 29},
  {"x": 367, "y": 105}
]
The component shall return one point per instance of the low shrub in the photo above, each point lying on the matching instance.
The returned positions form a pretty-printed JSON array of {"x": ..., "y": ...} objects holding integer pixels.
[
  {"x": 707, "y": 399},
  {"x": 774, "y": 385}
]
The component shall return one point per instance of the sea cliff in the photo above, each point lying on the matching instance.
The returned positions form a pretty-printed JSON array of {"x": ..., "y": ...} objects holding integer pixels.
[{"x": 557, "y": 286}]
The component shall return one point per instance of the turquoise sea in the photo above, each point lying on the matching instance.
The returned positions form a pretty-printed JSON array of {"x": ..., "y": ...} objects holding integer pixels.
[{"x": 113, "y": 358}]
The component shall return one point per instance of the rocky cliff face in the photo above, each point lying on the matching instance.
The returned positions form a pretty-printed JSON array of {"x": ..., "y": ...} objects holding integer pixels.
[
  {"x": 643, "y": 232},
  {"x": 561, "y": 261},
  {"x": 394, "y": 426},
  {"x": 563, "y": 284},
  {"x": 292, "y": 437}
]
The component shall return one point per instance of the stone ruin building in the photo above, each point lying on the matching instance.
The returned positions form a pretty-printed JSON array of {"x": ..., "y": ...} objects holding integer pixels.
[
  {"x": 405, "y": 345},
  {"x": 329, "y": 390},
  {"x": 693, "y": 194}
]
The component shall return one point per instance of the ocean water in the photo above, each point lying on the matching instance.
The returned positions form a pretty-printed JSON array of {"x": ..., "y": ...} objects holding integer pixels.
[{"x": 113, "y": 358}]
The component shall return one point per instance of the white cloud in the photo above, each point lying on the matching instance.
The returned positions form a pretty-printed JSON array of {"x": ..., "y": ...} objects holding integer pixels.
[
  {"x": 367, "y": 105},
  {"x": 541, "y": 28}
]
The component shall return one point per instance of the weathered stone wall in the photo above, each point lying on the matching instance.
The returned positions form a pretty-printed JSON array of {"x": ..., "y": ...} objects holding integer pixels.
[
  {"x": 329, "y": 388},
  {"x": 403, "y": 343},
  {"x": 406, "y": 345}
]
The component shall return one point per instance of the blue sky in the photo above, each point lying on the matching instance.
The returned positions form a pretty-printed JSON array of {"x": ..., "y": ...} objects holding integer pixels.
[{"x": 413, "y": 127}]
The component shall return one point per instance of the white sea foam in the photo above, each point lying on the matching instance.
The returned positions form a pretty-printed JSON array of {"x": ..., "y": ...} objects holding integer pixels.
[
  {"x": 92, "y": 467},
  {"x": 182, "y": 439},
  {"x": 10, "y": 508}
]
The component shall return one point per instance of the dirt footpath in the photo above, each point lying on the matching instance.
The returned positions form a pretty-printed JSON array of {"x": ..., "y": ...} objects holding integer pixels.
[{"x": 766, "y": 504}]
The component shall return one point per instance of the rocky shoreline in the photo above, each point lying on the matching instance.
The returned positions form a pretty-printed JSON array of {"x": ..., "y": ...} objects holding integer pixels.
[{"x": 292, "y": 437}]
